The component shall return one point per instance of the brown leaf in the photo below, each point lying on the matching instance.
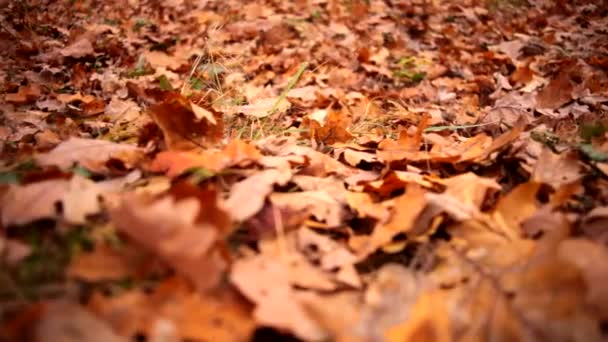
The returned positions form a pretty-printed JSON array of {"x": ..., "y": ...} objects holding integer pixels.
[
  {"x": 80, "y": 200},
  {"x": 94, "y": 107},
  {"x": 265, "y": 281},
  {"x": 557, "y": 93},
  {"x": 595, "y": 224},
  {"x": 23, "y": 204},
  {"x": 329, "y": 255},
  {"x": 557, "y": 169},
  {"x": 90, "y": 153},
  {"x": 80, "y": 48},
  {"x": 69, "y": 98},
  {"x": 169, "y": 228},
  {"x": 320, "y": 204},
  {"x": 522, "y": 75},
  {"x": 589, "y": 258},
  {"x": 428, "y": 321},
  {"x": 174, "y": 163},
  {"x": 105, "y": 263},
  {"x": 25, "y": 94},
  {"x": 174, "y": 312},
  {"x": 69, "y": 322},
  {"x": 180, "y": 125},
  {"x": 247, "y": 197},
  {"x": 28, "y": 203},
  {"x": 517, "y": 206},
  {"x": 334, "y": 128},
  {"x": 406, "y": 210}
]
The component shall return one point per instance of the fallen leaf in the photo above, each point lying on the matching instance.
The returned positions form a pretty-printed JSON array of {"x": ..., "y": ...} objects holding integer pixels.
[
  {"x": 69, "y": 322},
  {"x": 181, "y": 127},
  {"x": 173, "y": 311},
  {"x": 80, "y": 200},
  {"x": 330, "y": 255},
  {"x": 261, "y": 108},
  {"x": 201, "y": 113},
  {"x": 25, "y": 94},
  {"x": 28, "y": 203},
  {"x": 404, "y": 213},
  {"x": 105, "y": 263},
  {"x": 428, "y": 321},
  {"x": 69, "y": 98},
  {"x": 80, "y": 48},
  {"x": 558, "y": 92},
  {"x": 90, "y": 153},
  {"x": 557, "y": 169},
  {"x": 169, "y": 228},
  {"x": 265, "y": 282},
  {"x": 235, "y": 153},
  {"x": 247, "y": 197},
  {"x": 333, "y": 129},
  {"x": 588, "y": 258},
  {"x": 363, "y": 204},
  {"x": 519, "y": 204},
  {"x": 320, "y": 204}
]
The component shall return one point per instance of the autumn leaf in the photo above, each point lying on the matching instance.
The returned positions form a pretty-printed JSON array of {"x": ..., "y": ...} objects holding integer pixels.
[
  {"x": 332, "y": 130},
  {"x": 183, "y": 127},
  {"x": 169, "y": 228},
  {"x": 90, "y": 153},
  {"x": 235, "y": 153}
]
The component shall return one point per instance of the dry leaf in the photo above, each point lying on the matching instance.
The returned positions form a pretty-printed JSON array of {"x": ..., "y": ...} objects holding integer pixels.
[
  {"x": 28, "y": 203},
  {"x": 320, "y": 204},
  {"x": 333, "y": 130},
  {"x": 69, "y": 322},
  {"x": 428, "y": 321},
  {"x": 170, "y": 229},
  {"x": 105, "y": 263},
  {"x": 25, "y": 94},
  {"x": 515, "y": 207},
  {"x": 78, "y": 49},
  {"x": 589, "y": 258},
  {"x": 175, "y": 163},
  {"x": 181, "y": 127},
  {"x": 90, "y": 153},
  {"x": 265, "y": 282},
  {"x": 247, "y": 197},
  {"x": 557, "y": 169},
  {"x": 80, "y": 200},
  {"x": 405, "y": 212},
  {"x": 172, "y": 311}
]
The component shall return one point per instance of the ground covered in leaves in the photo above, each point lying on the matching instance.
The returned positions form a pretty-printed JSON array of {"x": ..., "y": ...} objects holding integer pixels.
[{"x": 405, "y": 170}]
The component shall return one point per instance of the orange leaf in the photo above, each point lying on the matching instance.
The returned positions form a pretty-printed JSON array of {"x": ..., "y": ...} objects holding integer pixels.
[
  {"x": 175, "y": 163},
  {"x": 181, "y": 127}
]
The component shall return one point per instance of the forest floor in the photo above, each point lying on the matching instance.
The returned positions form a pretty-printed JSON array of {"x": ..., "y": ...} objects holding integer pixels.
[{"x": 315, "y": 170}]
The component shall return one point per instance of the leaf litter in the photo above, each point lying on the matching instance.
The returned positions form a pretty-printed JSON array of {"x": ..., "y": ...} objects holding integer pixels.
[{"x": 326, "y": 170}]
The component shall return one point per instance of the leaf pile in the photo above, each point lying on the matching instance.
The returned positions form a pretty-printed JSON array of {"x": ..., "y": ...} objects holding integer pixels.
[{"x": 310, "y": 170}]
